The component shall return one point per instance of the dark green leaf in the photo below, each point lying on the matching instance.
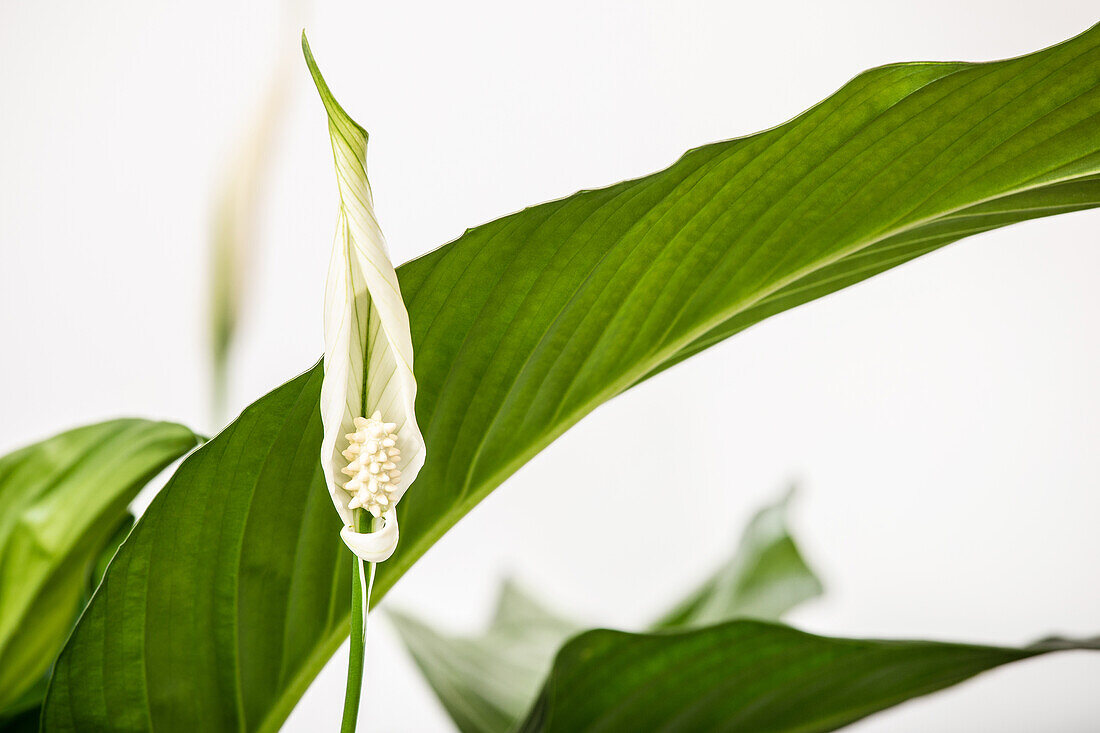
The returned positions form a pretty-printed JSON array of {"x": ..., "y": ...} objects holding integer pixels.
[
  {"x": 60, "y": 501},
  {"x": 524, "y": 325},
  {"x": 750, "y": 676}
]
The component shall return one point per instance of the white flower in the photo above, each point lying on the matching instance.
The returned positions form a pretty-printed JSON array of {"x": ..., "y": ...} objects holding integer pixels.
[{"x": 372, "y": 448}]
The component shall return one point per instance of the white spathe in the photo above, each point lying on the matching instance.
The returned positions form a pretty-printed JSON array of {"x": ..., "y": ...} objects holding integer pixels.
[{"x": 368, "y": 346}]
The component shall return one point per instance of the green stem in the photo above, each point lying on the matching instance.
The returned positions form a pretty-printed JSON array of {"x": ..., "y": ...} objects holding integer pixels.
[{"x": 359, "y": 606}]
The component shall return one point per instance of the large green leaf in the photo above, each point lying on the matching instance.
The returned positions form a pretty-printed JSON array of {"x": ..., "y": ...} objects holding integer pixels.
[
  {"x": 61, "y": 500},
  {"x": 751, "y": 676},
  {"x": 488, "y": 682},
  {"x": 524, "y": 325}
]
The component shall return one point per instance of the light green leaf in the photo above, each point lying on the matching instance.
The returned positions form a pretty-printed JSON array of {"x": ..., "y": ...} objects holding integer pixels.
[
  {"x": 488, "y": 683},
  {"x": 60, "y": 502},
  {"x": 750, "y": 676},
  {"x": 524, "y": 325},
  {"x": 765, "y": 577}
]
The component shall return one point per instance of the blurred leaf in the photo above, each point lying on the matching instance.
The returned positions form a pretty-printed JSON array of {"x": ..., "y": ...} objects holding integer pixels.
[
  {"x": 487, "y": 683},
  {"x": 765, "y": 578},
  {"x": 60, "y": 501},
  {"x": 524, "y": 325},
  {"x": 23, "y": 714},
  {"x": 750, "y": 676},
  {"x": 236, "y": 221}
]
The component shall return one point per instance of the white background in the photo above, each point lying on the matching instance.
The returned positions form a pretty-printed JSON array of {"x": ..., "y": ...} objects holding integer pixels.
[{"x": 941, "y": 419}]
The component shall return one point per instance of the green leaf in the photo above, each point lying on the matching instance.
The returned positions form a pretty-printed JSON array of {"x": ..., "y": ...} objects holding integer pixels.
[
  {"x": 524, "y": 325},
  {"x": 23, "y": 714},
  {"x": 765, "y": 578},
  {"x": 60, "y": 502},
  {"x": 749, "y": 675},
  {"x": 234, "y": 573},
  {"x": 487, "y": 683}
]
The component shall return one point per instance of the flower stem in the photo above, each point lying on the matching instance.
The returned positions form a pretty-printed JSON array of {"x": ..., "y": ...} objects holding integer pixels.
[{"x": 362, "y": 580}]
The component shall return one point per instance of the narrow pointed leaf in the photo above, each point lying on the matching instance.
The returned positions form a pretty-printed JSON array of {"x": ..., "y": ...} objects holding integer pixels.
[
  {"x": 524, "y": 325},
  {"x": 751, "y": 676},
  {"x": 60, "y": 502}
]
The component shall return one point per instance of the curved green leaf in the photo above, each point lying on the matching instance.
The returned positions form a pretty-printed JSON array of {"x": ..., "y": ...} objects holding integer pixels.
[
  {"x": 524, "y": 325},
  {"x": 60, "y": 502},
  {"x": 749, "y": 675}
]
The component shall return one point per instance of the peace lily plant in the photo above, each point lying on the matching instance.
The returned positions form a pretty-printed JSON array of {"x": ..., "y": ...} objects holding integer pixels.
[{"x": 218, "y": 606}]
